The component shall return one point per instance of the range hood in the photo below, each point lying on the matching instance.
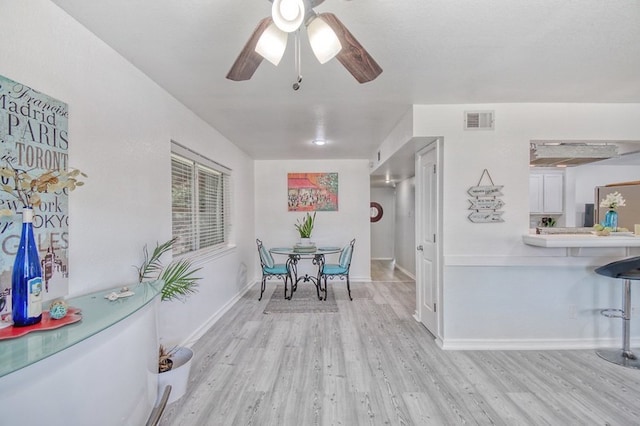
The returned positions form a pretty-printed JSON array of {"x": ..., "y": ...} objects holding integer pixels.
[{"x": 569, "y": 154}]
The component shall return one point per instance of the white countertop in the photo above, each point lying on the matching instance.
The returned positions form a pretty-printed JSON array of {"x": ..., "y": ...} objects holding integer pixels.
[{"x": 581, "y": 240}]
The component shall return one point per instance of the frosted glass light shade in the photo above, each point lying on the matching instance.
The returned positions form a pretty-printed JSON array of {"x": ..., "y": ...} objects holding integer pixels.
[
  {"x": 272, "y": 44},
  {"x": 287, "y": 14},
  {"x": 324, "y": 41}
]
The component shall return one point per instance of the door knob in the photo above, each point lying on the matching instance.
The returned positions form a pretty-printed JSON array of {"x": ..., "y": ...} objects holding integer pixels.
[{"x": 419, "y": 248}]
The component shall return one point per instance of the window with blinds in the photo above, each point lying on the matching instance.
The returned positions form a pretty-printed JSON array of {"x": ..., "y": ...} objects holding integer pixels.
[{"x": 200, "y": 201}]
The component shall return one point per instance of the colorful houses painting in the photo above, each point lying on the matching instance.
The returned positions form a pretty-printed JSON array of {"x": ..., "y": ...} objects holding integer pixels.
[{"x": 312, "y": 192}]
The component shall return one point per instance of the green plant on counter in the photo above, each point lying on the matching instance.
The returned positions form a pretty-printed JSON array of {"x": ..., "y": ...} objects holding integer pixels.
[
  {"x": 548, "y": 222},
  {"x": 178, "y": 276},
  {"x": 305, "y": 226}
]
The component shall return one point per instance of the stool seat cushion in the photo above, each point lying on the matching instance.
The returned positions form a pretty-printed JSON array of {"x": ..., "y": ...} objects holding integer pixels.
[{"x": 628, "y": 269}]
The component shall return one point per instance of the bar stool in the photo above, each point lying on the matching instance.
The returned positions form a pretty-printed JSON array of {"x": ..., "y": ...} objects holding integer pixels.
[{"x": 628, "y": 270}]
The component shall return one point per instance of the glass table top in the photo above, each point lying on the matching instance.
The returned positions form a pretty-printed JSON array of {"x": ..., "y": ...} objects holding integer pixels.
[
  {"x": 98, "y": 313},
  {"x": 305, "y": 251}
]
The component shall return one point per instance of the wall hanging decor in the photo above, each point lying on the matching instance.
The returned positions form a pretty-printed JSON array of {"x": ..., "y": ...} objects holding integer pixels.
[
  {"x": 376, "y": 212},
  {"x": 485, "y": 201},
  {"x": 312, "y": 192},
  {"x": 34, "y": 144}
]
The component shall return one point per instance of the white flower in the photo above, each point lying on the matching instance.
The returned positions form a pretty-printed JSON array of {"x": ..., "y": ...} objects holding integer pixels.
[{"x": 613, "y": 201}]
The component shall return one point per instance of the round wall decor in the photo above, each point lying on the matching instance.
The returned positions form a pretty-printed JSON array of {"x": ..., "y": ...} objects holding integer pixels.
[{"x": 376, "y": 211}]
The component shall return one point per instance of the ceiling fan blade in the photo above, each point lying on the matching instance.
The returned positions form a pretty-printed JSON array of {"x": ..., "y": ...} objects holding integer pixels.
[
  {"x": 353, "y": 56},
  {"x": 248, "y": 60}
]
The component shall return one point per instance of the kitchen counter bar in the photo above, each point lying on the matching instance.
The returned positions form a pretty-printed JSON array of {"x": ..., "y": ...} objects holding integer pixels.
[{"x": 580, "y": 240}]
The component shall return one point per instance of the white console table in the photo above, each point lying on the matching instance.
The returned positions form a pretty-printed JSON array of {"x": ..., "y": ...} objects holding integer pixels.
[{"x": 101, "y": 370}]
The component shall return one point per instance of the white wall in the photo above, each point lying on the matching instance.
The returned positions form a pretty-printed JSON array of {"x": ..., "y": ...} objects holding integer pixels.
[
  {"x": 504, "y": 152},
  {"x": 274, "y": 224},
  {"x": 120, "y": 125},
  {"x": 405, "y": 229},
  {"x": 383, "y": 231},
  {"x": 491, "y": 297}
]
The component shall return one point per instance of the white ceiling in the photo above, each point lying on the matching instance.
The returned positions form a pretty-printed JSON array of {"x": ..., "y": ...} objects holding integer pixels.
[{"x": 431, "y": 51}]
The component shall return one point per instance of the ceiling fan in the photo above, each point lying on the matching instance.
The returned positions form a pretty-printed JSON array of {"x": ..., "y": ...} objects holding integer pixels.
[{"x": 327, "y": 35}]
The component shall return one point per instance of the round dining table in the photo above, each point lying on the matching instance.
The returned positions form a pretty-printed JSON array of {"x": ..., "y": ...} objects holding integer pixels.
[{"x": 297, "y": 253}]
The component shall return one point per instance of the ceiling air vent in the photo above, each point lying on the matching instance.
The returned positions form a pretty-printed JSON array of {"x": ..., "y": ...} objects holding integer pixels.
[{"x": 478, "y": 120}]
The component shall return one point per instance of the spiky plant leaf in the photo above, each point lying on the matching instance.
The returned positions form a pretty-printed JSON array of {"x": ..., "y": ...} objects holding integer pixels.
[
  {"x": 179, "y": 280},
  {"x": 151, "y": 266}
]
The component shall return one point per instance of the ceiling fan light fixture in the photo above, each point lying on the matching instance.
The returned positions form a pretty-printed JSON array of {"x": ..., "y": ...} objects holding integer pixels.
[
  {"x": 272, "y": 44},
  {"x": 288, "y": 14},
  {"x": 324, "y": 41}
]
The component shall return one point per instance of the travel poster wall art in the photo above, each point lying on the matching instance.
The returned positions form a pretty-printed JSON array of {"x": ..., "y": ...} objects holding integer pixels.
[
  {"x": 312, "y": 192},
  {"x": 34, "y": 138}
]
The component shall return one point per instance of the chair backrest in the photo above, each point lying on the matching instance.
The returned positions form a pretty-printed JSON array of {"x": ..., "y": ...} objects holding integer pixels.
[
  {"x": 346, "y": 253},
  {"x": 266, "y": 260}
]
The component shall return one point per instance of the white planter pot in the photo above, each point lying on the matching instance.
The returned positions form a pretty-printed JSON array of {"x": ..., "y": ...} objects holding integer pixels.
[
  {"x": 178, "y": 376},
  {"x": 305, "y": 241}
]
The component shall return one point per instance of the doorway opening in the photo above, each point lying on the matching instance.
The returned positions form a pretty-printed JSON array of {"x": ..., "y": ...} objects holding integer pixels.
[{"x": 396, "y": 186}]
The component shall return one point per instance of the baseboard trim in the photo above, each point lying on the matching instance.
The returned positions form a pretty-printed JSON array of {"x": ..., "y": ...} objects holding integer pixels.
[
  {"x": 404, "y": 271},
  {"x": 530, "y": 344},
  {"x": 200, "y": 331}
]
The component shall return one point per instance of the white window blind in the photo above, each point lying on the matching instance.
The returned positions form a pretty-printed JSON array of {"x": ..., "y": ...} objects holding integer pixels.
[{"x": 200, "y": 192}]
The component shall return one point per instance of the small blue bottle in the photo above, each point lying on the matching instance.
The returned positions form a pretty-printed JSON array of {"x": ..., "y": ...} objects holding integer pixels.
[
  {"x": 26, "y": 279},
  {"x": 611, "y": 220}
]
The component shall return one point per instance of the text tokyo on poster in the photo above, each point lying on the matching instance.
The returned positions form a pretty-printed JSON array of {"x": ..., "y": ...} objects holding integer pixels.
[{"x": 34, "y": 138}]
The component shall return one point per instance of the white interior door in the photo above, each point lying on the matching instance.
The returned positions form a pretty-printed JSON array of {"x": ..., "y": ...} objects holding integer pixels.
[{"x": 427, "y": 238}]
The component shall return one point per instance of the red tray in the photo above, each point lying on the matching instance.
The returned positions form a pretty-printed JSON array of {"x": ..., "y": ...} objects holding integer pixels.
[{"x": 47, "y": 323}]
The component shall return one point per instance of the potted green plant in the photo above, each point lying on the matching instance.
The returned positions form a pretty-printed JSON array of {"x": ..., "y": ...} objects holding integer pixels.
[
  {"x": 178, "y": 276},
  {"x": 305, "y": 227},
  {"x": 179, "y": 281}
]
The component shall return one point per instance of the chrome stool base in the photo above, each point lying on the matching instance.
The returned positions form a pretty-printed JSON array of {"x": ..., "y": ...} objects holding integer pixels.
[
  {"x": 619, "y": 357},
  {"x": 628, "y": 270}
]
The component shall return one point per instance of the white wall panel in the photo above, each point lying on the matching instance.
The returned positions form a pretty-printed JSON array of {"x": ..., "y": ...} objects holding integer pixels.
[
  {"x": 506, "y": 301},
  {"x": 120, "y": 127},
  {"x": 405, "y": 235},
  {"x": 275, "y": 224},
  {"x": 383, "y": 231}
]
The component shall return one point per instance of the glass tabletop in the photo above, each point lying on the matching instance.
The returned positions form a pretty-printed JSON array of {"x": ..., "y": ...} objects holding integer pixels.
[
  {"x": 303, "y": 250},
  {"x": 98, "y": 313}
]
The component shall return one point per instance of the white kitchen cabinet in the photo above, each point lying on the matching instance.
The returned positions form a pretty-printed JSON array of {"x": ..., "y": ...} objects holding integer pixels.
[{"x": 546, "y": 192}]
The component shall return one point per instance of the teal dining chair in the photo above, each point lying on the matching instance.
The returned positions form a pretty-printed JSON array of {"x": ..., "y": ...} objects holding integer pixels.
[
  {"x": 270, "y": 269},
  {"x": 338, "y": 270}
]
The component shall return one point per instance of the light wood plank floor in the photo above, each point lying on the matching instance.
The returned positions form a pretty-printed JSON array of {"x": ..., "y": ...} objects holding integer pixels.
[{"x": 373, "y": 364}]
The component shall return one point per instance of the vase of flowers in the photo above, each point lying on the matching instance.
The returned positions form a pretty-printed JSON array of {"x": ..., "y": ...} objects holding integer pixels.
[
  {"x": 611, "y": 202},
  {"x": 26, "y": 278}
]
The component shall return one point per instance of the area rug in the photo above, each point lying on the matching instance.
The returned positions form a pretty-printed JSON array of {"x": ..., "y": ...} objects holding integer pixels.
[{"x": 304, "y": 300}]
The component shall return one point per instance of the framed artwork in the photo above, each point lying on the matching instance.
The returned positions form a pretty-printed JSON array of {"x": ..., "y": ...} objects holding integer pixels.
[
  {"x": 34, "y": 138},
  {"x": 312, "y": 192}
]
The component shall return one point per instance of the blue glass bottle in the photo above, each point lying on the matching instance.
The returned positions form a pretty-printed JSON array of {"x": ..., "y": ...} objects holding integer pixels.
[{"x": 26, "y": 279}]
